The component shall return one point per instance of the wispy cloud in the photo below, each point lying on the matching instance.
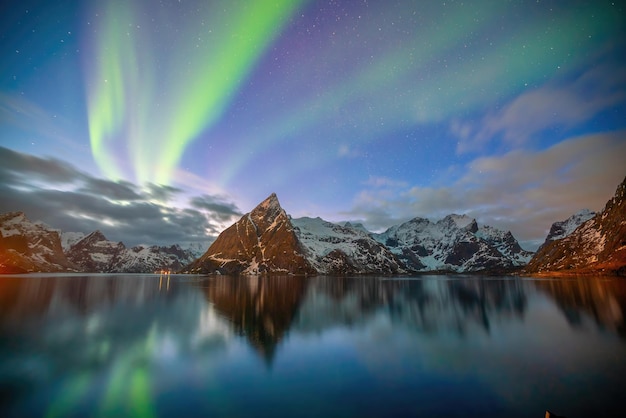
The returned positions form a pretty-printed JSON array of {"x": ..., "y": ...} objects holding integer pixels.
[
  {"x": 521, "y": 191},
  {"x": 552, "y": 106},
  {"x": 377, "y": 182},
  {"x": 16, "y": 112},
  {"x": 64, "y": 197}
]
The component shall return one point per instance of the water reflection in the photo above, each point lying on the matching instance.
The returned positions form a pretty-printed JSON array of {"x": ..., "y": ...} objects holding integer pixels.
[
  {"x": 129, "y": 345},
  {"x": 74, "y": 335},
  {"x": 259, "y": 308},
  {"x": 427, "y": 305},
  {"x": 602, "y": 299}
]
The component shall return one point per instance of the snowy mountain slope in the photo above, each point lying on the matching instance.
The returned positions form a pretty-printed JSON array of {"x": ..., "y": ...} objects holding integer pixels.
[
  {"x": 505, "y": 243},
  {"x": 70, "y": 238},
  {"x": 454, "y": 243},
  {"x": 141, "y": 259},
  {"x": 357, "y": 226},
  {"x": 336, "y": 249},
  {"x": 27, "y": 246},
  {"x": 94, "y": 253}
]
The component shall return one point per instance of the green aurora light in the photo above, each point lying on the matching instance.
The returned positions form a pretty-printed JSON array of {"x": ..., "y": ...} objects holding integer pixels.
[
  {"x": 141, "y": 120},
  {"x": 391, "y": 82}
]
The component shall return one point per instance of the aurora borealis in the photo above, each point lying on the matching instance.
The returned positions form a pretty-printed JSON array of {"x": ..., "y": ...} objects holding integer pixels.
[
  {"x": 141, "y": 106},
  {"x": 370, "y": 111}
]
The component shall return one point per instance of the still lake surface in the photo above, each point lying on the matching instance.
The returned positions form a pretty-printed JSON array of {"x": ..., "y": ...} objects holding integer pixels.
[{"x": 143, "y": 345}]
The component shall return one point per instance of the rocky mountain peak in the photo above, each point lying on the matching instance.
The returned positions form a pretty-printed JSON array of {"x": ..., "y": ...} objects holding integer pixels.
[
  {"x": 596, "y": 245},
  {"x": 262, "y": 241},
  {"x": 460, "y": 221},
  {"x": 270, "y": 202},
  {"x": 27, "y": 246},
  {"x": 561, "y": 229},
  {"x": 454, "y": 243},
  {"x": 93, "y": 237},
  {"x": 94, "y": 253},
  {"x": 267, "y": 212},
  {"x": 472, "y": 226}
]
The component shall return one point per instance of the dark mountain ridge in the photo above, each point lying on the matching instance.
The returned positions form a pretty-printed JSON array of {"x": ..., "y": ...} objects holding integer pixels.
[{"x": 596, "y": 246}]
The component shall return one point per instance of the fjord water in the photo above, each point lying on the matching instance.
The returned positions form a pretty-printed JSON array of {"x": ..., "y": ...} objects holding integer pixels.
[{"x": 150, "y": 346}]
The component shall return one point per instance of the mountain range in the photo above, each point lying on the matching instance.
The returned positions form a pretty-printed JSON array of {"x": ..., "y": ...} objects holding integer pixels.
[
  {"x": 315, "y": 246},
  {"x": 268, "y": 241},
  {"x": 27, "y": 247}
]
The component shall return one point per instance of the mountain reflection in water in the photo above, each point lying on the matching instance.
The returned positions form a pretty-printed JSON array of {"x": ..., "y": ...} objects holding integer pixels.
[
  {"x": 260, "y": 308},
  {"x": 135, "y": 345}
]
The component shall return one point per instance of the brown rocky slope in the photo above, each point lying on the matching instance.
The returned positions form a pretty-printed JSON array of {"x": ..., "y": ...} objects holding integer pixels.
[
  {"x": 27, "y": 247},
  {"x": 598, "y": 246},
  {"x": 262, "y": 241}
]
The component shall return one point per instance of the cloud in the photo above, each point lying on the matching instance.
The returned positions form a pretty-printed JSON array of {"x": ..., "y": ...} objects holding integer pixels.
[
  {"x": 522, "y": 191},
  {"x": 222, "y": 209},
  {"x": 63, "y": 197},
  {"x": 23, "y": 168},
  {"x": 549, "y": 107},
  {"x": 28, "y": 117},
  {"x": 120, "y": 190}
]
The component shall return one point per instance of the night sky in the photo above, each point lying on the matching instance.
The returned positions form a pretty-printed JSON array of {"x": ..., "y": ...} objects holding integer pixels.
[{"x": 160, "y": 122}]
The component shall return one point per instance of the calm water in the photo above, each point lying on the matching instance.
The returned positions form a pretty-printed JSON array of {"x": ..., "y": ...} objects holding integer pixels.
[{"x": 132, "y": 345}]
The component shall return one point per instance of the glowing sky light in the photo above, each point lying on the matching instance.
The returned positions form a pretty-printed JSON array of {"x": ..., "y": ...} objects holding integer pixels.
[
  {"x": 142, "y": 116},
  {"x": 432, "y": 71}
]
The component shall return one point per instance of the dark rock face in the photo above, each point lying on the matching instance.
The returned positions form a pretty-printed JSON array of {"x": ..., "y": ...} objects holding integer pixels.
[
  {"x": 596, "y": 246},
  {"x": 461, "y": 252},
  {"x": 29, "y": 247},
  {"x": 262, "y": 241},
  {"x": 338, "y": 263}
]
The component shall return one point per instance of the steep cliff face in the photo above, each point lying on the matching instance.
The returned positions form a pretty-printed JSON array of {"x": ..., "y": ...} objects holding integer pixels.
[
  {"x": 596, "y": 246},
  {"x": 29, "y": 247},
  {"x": 262, "y": 241}
]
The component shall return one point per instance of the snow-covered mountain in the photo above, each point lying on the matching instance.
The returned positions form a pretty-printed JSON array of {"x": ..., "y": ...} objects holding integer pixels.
[
  {"x": 336, "y": 249},
  {"x": 94, "y": 253},
  {"x": 454, "y": 243},
  {"x": 313, "y": 245},
  {"x": 598, "y": 245},
  {"x": 27, "y": 246},
  {"x": 505, "y": 243}
]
